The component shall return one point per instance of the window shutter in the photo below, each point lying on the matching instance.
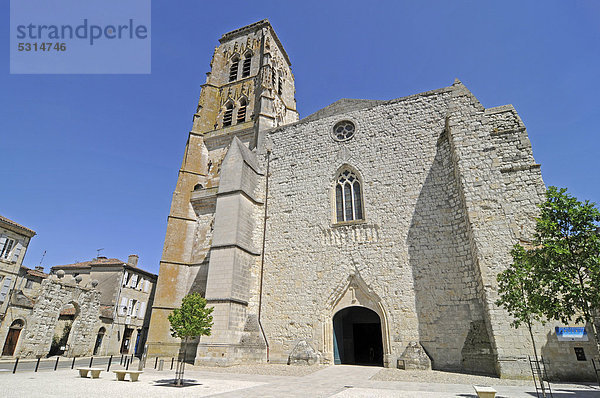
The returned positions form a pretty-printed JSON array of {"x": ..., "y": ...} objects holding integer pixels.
[
  {"x": 142, "y": 312},
  {"x": 134, "y": 279},
  {"x": 17, "y": 251},
  {"x": 136, "y": 308},
  {"x": 147, "y": 286},
  {"x": 125, "y": 275},
  {"x": 123, "y": 306},
  {"x": 5, "y": 288},
  {"x": 130, "y": 307}
]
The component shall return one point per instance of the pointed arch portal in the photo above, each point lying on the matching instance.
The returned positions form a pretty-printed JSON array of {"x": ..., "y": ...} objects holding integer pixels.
[{"x": 357, "y": 338}]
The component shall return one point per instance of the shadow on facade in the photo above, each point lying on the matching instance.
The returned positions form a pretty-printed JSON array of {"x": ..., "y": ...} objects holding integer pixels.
[{"x": 451, "y": 325}]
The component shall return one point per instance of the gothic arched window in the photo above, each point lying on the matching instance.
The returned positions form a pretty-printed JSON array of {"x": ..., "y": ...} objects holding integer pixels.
[
  {"x": 246, "y": 65},
  {"x": 348, "y": 197},
  {"x": 233, "y": 70},
  {"x": 241, "y": 113},
  {"x": 228, "y": 115}
]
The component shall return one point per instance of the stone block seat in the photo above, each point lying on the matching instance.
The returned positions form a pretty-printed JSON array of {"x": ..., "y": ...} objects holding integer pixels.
[
  {"x": 95, "y": 372},
  {"x": 485, "y": 392},
  {"x": 133, "y": 374}
]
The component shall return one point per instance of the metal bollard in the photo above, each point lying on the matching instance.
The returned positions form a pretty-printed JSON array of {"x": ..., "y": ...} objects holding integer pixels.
[
  {"x": 73, "y": 363},
  {"x": 121, "y": 361},
  {"x": 91, "y": 360},
  {"x": 56, "y": 364},
  {"x": 161, "y": 365},
  {"x": 16, "y": 363},
  {"x": 172, "y": 360},
  {"x": 127, "y": 364},
  {"x": 37, "y": 364},
  {"x": 155, "y": 362},
  {"x": 109, "y": 362}
]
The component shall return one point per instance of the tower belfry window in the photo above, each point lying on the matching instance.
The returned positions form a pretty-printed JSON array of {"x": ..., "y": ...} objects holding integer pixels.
[
  {"x": 241, "y": 113},
  {"x": 228, "y": 115},
  {"x": 233, "y": 71},
  {"x": 348, "y": 197},
  {"x": 280, "y": 87},
  {"x": 246, "y": 66}
]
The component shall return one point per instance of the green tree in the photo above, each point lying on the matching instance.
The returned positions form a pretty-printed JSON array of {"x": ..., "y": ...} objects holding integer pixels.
[
  {"x": 561, "y": 269},
  {"x": 193, "y": 319},
  {"x": 518, "y": 287}
]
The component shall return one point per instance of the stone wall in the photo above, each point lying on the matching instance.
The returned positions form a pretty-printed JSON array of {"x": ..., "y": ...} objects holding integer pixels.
[{"x": 54, "y": 295}]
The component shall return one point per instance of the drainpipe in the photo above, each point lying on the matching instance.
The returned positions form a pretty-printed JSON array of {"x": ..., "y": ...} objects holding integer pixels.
[{"x": 262, "y": 255}]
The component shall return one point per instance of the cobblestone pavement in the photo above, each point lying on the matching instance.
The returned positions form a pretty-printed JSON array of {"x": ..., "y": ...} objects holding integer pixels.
[{"x": 264, "y": 381}]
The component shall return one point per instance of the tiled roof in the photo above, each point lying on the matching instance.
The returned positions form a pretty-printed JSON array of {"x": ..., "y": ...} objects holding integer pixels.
[
  {"x": 87, "y": 264},
  {"x": 34, "y": 272},
  {"x": 68, "y": 311},
  {"x": 102, "y": 261},
  {"x": 106, "y": 311},
  {"x": 14, "y": 224}
]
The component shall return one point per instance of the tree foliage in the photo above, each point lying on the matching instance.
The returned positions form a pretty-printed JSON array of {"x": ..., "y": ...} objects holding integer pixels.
[
  {"x": 193, "y": 319},
  {"x": 558, "y": 276}
]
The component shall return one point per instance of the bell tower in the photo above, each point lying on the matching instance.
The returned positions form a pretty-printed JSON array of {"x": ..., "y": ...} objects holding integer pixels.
[{"x": 249, "y": 89}]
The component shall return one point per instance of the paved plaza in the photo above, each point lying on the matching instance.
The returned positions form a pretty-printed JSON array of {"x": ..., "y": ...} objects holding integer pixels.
[{"x": 264, "y": 381}]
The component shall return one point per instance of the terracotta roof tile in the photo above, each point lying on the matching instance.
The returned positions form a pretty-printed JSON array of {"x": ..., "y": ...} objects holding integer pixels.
[
  {"x": 87, "y": 264},
  {"x": 68, "y": 311},
  {"x": 14, "y": 224},
  {"x": 34, "y": 272}
]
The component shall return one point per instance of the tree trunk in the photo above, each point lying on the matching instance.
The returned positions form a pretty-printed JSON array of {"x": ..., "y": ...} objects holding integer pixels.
[{"x": 181, "y": 365}]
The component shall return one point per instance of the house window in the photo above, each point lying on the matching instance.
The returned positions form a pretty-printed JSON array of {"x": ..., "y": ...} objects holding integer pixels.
[
  {"x": 228, "y": 115},
  {"x": 241, "y": 113},
  {"x": 28, "y": 284},
  {"x": 7, "y": 247},
  {"x": 233, "y": 71},
  {"x": 246, "y": 65},
  {"x": 348, "y": 197},
  {"x": 580, "y": 354}
]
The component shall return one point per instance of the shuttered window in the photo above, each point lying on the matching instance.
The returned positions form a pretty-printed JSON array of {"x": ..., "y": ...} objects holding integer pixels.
[
  {"x": 134, "y": 279},
  {"x": 233, "y": 71},
  {"x": 246, "y": 66},
  {"x": 142, "y": 312},
  {"x": 5, "y": 288},
  {"x": 228, "y": 115},
  {"x": 123, "y": 306},
  {"x": 6, "y": 247},
  {"x": 241, "y": 113}
]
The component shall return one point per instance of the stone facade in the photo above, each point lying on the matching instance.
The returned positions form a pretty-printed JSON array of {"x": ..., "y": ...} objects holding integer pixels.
[
  {"x": 259, "y": 224},
  {"x": 126, "y": 296}
]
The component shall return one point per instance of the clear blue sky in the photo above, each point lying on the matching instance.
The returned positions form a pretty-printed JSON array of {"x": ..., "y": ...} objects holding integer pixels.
[{"x": 90, "y": 161}]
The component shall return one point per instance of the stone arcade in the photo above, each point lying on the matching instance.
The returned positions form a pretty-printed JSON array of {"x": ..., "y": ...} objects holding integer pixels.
[{"x": 370, "y": 232}]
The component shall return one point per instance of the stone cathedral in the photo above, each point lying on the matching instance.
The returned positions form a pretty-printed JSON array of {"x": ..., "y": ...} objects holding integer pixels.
[{"x": 370, "y": 232}]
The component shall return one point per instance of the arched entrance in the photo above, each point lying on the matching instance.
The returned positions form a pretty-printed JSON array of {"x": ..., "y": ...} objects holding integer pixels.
[
  {"x": 12, "y": 338},
  {"x": 357, "y": 337}
]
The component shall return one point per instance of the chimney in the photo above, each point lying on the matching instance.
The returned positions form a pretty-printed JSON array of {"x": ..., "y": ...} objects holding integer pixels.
[{"x": 132, "y": 260}]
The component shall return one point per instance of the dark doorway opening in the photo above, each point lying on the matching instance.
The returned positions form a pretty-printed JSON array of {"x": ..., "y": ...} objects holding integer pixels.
[
  {"x": 357, "y": 337},
  {"x": 126, "y": 343},
  {"x": 99, "y": 339},
  {"x": 12, "y": 337}
]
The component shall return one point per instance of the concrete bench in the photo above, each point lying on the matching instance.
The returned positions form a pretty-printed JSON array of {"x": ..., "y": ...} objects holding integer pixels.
[
  {"x": 133, "y": 374},
  {"x": 83, "y": 372},
  {"x": 485, "y": 392}
]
